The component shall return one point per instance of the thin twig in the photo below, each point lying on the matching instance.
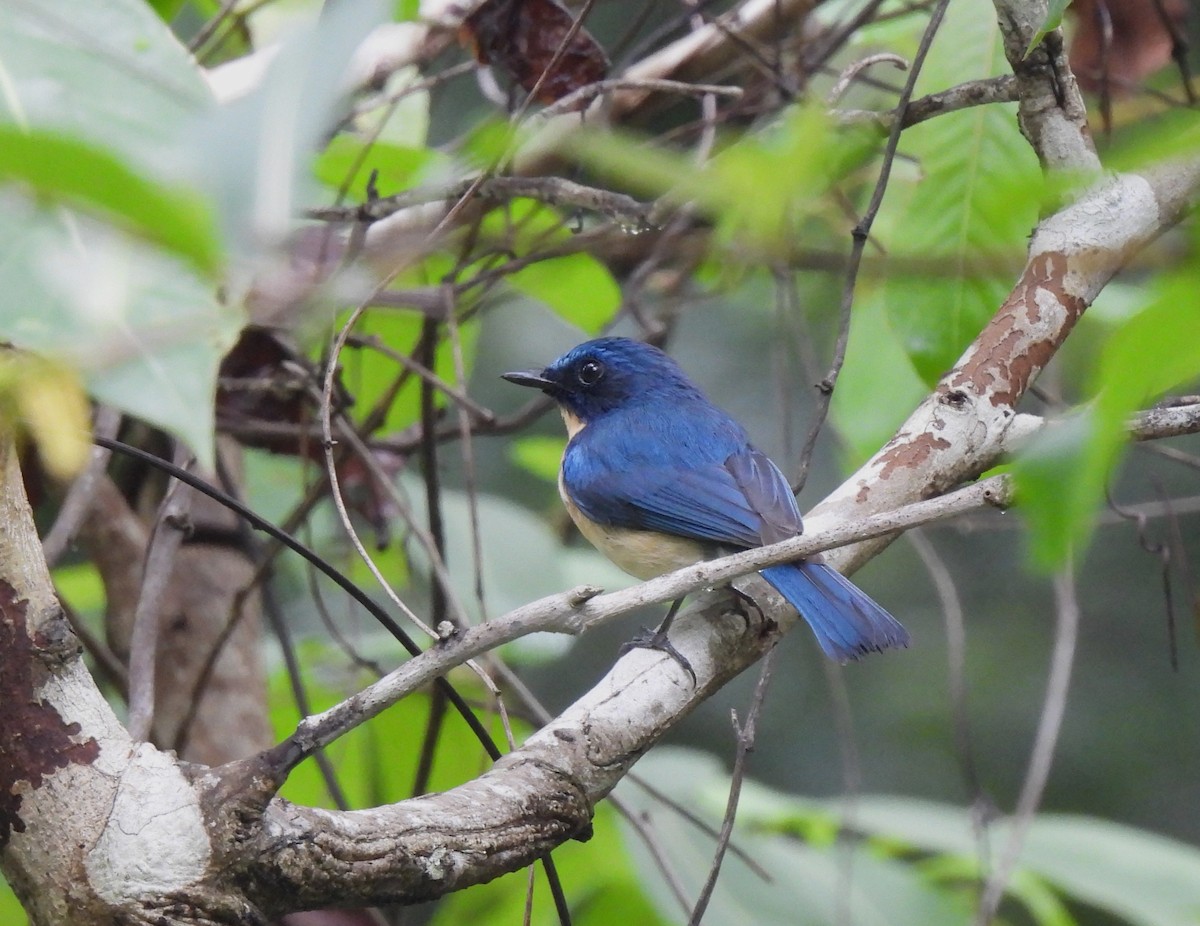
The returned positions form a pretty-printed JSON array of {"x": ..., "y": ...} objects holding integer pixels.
[
  {"x": 79, "y": 497},
  {"x": 460, "y": 397},
  {"x": 1053, "y": 708},
  {"x": 956, "y": 656},
  {"x": 340, "y": 579},
  {"x": 648, "y": 833},
  {"x": 856, "y": 68},
  {"x": 157, "y": 571},
  {"x": 553, "y": 191},
  {"x": 860, "y": 235},
  {"x": 568, "y": 37},
  {"x": 540, "y": 716},
  {"x": 1179, "y": 49},
  {"x": 340, "y": 640},
  {"x": 214, "y": 23},
  {"x": 417, "y": 86},
  {"x": 1161, "y": 552},
  {"x": 339, "y": 342},
  {"x": 426, "y": 355},
  {"x": 699, "y": 823},
  {"x": 441, "y": 578},
  {"x": 108, "y": 663},
  {"x": 584, "y": 608},
  {"x": 827, "y": 45},
  {"x": 571, "y": 101},
  {"x": 470, "y": 478},
  {"x": 746, "y": 736},
  {"x": 1176, "y": 553},
  {"x": 385, "y": 483},
  {"x": 847, "y": 849},
  {"x": 983, "y": 92},
  {"x": 295, "y": 675}
]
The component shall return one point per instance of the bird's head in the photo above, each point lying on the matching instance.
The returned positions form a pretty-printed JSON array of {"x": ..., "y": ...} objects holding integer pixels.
[{"x": 601, "y": 376}]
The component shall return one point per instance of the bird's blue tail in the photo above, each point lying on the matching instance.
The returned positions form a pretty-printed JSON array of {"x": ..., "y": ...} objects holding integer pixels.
[{"x": 848, "y": 624}]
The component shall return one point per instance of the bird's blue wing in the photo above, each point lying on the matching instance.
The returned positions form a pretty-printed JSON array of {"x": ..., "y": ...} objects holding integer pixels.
[
  {"x": 743, "y": 500},
  {"x": 767, "y": 492}
]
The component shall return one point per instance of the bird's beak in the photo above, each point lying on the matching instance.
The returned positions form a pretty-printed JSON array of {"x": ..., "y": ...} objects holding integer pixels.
[{"x": 528, "y": 378}]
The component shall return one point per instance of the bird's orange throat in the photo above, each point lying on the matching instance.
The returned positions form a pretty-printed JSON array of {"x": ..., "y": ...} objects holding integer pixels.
[{"x": 571, "y": 420}]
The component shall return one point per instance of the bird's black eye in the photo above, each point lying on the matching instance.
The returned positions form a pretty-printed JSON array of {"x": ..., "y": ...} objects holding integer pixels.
[{"x": 590, "y": 373}]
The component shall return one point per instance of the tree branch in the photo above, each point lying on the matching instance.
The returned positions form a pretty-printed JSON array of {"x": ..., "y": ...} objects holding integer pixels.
[
  {"x": 1051, "y": 111},
  {"x": 585, "y": 609},
  {"x": 962, "y": 427},
  {"x": 554, "y": 191}
]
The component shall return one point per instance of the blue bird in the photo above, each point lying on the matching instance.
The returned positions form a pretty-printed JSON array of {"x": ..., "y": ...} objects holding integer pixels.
[{"x": 657, "y": 478}]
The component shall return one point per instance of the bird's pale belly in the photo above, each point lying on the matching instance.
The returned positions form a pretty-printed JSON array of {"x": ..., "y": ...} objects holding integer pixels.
[{"x": 643, "y": 554}]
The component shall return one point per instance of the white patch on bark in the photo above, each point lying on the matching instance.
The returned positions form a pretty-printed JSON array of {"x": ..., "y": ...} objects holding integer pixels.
[
  {"x": 74, "y": 696},
  {"x": 1119, "y": 215},
  {"x": 154, "y": 840}
]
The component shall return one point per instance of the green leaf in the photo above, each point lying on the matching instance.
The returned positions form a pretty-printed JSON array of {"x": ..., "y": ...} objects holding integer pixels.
[
  {"x": 1043, "y": 903},
  {"x": 404, "y": 120},
  {"x": 406, "y": 10},
  {"x": 253, "y": 155},
  {"x": 1057, "y": 491},
  {"x": 81, "y": 586},
  {"x": 348, "y": 162},
  {"x": 111, "y": 73},
  {"x": 166, "y": 9},
  {"x": 77, "y": 173},
  {"x": 957, "y": 240},
  {"x": 371, "y": 375},
  {"x": 11, "y": 911},
  {"x": 489, "y": 143},
  {"x": 1062, "y": 476},
  {"x": 808, "y": 882},
  {"x": 144, "y": 331},
  {"x": 799, "y": 159},
  {"x": 577, "y": 287},
  {"x": 1171, "y": 134},
  {"x": 538, "y": 455},
  {"x": 1139, "y": 877},
  {"x": 1054, "y": 15},
  {"x": 877, "y": 388}
]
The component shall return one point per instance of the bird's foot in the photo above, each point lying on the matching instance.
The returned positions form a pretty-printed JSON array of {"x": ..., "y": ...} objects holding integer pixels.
[
  {"x": 658, "y": 639},
  {"x": 745, "y": 604}
]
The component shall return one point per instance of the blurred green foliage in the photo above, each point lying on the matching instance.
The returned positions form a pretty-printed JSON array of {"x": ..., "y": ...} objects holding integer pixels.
[
  {"x": 142, "y": 326},
  {"x": 955, "y": 239},
  {"x": 149, "y": 162},
  {"x": 902, "y": 860},
  {"x": 576, "y": 286},
  {"x": 377, "y": 764},
  {"x": 348, "y": 163},
  {"x": 11, "y": 912},
  {"x": 539, "y": 455},
  {"x": 67, "y": 170},
  {"x": 1063, "y": 476},
  {"x": 805, "y": 153}
]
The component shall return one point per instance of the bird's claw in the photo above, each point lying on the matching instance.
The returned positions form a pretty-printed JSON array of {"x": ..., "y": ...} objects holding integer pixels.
[
  {"x": 658, "y": 640},
  {"x": 744, "y": 600}
]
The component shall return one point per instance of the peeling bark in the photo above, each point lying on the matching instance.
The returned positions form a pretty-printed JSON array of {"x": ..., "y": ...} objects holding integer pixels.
[
  {"x": 57, "y": 789},
  {"x": 961, "y": 429},
  {"x": 39, "y": 741}
]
